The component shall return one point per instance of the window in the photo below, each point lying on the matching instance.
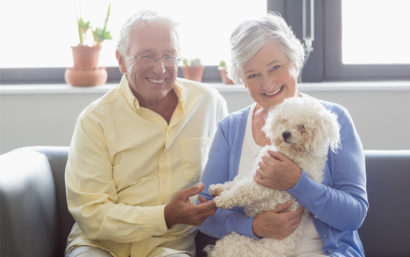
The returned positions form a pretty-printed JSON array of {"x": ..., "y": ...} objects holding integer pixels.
[
  {"x": 382, "y": 37},
  {"x": 366, "y": 40},
  {"x": 39, "y": 33},
  {"x": 353, "y": 39}
]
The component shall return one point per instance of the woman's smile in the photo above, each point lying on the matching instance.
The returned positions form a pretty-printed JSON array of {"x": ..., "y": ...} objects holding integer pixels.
[{"x": 275, "y": 93}]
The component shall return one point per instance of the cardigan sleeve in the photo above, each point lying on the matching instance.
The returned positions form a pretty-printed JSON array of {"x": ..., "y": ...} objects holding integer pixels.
[{"x": 341, "y": 200}]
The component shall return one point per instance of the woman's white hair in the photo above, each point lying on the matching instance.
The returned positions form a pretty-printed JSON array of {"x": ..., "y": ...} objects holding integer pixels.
[
  {"x": 143, "y": 18},
  {"x": 252, "y": 35}
]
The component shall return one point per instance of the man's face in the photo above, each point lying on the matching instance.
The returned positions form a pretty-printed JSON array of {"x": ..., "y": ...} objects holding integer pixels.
[{"x": 150, "y": 81}]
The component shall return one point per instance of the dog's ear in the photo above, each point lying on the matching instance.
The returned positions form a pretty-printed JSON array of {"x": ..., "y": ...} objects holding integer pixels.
[
  {"x": 269, "y": 121},
  {"x": 332, "y": 128}
]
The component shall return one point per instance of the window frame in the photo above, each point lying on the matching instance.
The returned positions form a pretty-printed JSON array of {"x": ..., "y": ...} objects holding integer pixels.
[{"x": 335, "y": 69}]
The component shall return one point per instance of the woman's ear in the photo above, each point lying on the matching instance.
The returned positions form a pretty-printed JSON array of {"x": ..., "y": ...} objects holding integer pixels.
[
  {"x": 294, "y": 71},
  {"x": 121, "y": 62}
]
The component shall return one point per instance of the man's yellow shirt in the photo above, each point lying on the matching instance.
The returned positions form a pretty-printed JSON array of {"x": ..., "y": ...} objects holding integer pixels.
[{"x": 126, "y": 163}]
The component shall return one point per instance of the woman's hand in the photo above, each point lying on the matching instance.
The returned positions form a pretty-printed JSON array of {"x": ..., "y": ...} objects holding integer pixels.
[
  {"x": 276, "y": 171},
  {"x": 278, "y": 223}
]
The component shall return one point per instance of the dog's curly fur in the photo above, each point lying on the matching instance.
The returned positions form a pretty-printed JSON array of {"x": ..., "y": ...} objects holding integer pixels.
[{"x": 303, "y": 130}]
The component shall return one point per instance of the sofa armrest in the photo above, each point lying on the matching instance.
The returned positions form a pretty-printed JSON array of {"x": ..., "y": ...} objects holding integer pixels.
[
  {"x": 28, "y": 217},
  {"x": 57, "y": 158},
  {"x": 385, "y": 231}
]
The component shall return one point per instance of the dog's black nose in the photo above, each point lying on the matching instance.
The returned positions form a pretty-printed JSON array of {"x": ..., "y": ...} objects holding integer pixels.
[{"x": 286, "y": 135}]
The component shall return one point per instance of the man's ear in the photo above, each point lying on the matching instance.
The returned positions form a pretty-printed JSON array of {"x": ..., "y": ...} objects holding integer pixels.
[{"x": 121, "y": 62}]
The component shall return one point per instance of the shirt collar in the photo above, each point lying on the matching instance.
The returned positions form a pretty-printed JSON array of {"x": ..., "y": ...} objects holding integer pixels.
[
  {"x": 129, "y": 96},
  {"x": 180, "y": 91}
]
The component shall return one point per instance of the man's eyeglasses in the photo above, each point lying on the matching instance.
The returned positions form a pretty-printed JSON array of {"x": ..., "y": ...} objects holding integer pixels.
[{"x": 166, "y": 60}]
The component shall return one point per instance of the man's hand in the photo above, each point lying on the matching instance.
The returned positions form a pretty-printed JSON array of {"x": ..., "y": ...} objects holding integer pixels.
[
  {"x": 181, "y": 211},
  {"x": 278, "y": 223}
]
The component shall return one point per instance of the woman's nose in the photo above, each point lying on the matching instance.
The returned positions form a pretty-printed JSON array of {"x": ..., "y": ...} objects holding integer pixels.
[{"x": 269, "y": 83}]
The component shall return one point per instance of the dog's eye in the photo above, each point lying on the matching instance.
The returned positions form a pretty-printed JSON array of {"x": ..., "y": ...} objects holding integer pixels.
[{"x": 301, "y": 127}]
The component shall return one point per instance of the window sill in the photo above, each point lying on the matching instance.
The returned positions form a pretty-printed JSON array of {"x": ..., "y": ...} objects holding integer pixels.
[{"x": 304, "y": 87}]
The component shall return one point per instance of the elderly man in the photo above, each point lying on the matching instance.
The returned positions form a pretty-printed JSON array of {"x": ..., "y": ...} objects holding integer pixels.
[{"x": 137, "y": 153}]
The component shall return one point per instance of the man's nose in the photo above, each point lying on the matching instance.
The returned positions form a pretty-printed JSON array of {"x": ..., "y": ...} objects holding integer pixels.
[{"x": 159, "y": 65}]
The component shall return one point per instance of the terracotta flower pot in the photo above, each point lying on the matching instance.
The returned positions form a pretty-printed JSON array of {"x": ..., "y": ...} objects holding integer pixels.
[
  {"x": 85, "y": 78},
  {"x": 86, "y": 57},
  {"x": 86, "y": 71},
  {"x": 224, "y": 77},
  {"x": 193, "y": 72}
]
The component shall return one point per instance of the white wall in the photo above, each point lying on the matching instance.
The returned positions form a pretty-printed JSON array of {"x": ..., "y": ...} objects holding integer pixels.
[{"x": 46, "y": 115}]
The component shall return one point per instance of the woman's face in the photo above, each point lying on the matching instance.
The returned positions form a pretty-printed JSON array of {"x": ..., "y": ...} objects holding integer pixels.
[{"x": 269, "y": 76}]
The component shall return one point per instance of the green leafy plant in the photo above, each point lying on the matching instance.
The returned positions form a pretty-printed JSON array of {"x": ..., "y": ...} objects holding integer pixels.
[
  {"x": 222, "y": 64},
  {"x": 222, "y": 67},
  {"x": 83, "y": 27},
  {"x": 99, "y": 34}
]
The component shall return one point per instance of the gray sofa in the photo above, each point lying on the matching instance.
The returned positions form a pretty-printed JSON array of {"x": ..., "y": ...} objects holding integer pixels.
[{"x": 34, "y": 220}]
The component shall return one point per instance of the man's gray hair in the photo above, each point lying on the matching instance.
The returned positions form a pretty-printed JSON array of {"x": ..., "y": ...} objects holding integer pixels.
[
  {"x": 141, "y": 18},
  {"x": 252, "y": 35}
]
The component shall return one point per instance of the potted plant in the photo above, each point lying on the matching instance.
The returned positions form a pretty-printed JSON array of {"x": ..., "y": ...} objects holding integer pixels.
[
  {"x": 192, "y": 69},
  {"x": 85, "y": 70},
  {"x": 223, "y": 72}
]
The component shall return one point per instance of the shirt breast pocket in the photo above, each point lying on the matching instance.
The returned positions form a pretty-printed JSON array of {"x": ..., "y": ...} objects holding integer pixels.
[{"x": 194, "y": 157}]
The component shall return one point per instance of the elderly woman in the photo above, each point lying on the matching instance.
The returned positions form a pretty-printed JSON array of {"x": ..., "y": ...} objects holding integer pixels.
[{"x": 267, "y": 58}]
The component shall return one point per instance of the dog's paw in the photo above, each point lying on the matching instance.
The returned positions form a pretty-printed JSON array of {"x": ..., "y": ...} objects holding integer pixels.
[
  {"x": 215, "y": 189},
  {"x": 224, "y": 202}
]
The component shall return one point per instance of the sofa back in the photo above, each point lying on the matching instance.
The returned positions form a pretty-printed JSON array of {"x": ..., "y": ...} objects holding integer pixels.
[{"x": 34, "y": 219}]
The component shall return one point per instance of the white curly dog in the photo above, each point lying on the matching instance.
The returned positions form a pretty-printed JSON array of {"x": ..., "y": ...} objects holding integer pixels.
[{"x": 303, "y": 130}]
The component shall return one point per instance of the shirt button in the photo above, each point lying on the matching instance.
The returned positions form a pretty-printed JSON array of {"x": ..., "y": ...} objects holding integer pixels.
[
  {"x": 324, "y": 236},
  {"x": 315, "y": 217},
  {"x": 328, "y": 252}
]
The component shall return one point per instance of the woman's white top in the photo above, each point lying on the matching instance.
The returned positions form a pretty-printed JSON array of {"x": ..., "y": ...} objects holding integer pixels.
[
  {"x": 310, "y": 243},
  {"x": 250, "y": 150}
]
